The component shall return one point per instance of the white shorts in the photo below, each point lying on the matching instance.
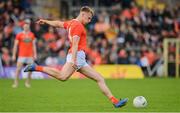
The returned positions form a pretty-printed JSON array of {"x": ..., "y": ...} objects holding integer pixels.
[
  {"x": 25, "y": 60},
  {"x": 81, "y": 59}
]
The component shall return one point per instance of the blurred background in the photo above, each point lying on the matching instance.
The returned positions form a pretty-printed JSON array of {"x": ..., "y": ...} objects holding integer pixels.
[{"x": 145, "y": 33}]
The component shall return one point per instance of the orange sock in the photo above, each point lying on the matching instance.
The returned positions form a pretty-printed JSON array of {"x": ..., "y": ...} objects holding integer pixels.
[
  {"x": 39, "y": 68},
  {"x": 114, "y": 100}
]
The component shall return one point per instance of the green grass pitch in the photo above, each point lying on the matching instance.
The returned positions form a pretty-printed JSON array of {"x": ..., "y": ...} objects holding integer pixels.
[{"x": 162, "y": 94}]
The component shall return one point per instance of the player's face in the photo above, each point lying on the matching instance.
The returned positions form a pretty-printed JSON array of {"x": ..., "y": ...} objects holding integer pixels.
[
  {"x": 26, "y": 27},
  {"x": 87, "y": 18}
]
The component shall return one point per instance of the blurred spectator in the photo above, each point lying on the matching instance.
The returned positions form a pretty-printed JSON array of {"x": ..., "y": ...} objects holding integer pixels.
[
  {"x": 94, "y": 56},
  {"x": 151, "y": 57},
  {"x": 42, "y": 51},
  {"x": 51, "y": 61},
  {"x": 122, "y": 57},
  {"x": 172, "y": 70},
  {"x": 1, "y": 40},
  {"x": 38, "y": 31},
  {"x": 101, "y": 27},
  {"x": 17, "y": 28},
  {"x": 61, "y": 57},
  {"x": 127, "y": 14},
  {"x": 132, "y": 57},
  {"x": 6, "y": 59},
  {"x": 144, "y": 64},
  {"x": 49, "y": 36},
  {"x": 8, "y": 36},
  {"x": 113, "y": 56}
]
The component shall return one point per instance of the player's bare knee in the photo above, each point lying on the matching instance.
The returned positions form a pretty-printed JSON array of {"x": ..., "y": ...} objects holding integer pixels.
[{"x": 100, "y": 78}]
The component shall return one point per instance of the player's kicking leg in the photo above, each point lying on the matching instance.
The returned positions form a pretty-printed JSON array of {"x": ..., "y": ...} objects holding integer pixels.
[
  {"x": 91, "y": 73},
  {"x": 62, "y": 75}
]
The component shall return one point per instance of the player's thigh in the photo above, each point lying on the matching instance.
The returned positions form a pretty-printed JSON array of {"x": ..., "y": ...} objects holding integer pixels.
[
  {"x": 67, "y": 69},
  {"x": 90, "y": 73}
]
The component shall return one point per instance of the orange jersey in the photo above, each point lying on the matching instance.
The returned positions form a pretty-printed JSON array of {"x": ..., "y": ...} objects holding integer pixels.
[
  {"x": 75, "y": 28},
  {"x": 25, "y": 44}
]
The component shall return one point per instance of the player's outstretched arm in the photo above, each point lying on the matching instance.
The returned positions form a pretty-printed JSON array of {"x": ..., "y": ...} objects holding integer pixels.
[{"x": 54, "y": 23}]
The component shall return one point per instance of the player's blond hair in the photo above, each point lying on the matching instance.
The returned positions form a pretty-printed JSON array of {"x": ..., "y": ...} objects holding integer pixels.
[{"x": 87, "y": 9}]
